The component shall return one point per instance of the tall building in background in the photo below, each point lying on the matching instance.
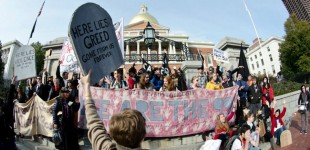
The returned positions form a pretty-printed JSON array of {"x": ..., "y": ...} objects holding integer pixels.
[{"x": 300, "y": 7}]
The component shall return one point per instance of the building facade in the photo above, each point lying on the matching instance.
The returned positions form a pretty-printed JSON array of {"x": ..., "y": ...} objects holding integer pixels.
[
  {"x": 8, "y": 51},
  {"x": 135, "y": 48},
  {"x": 164, "y": 44},
  {"x": 299, "y": 7},
  {"x": 264, "y": 59},
  {"x": 232, "y": 47}
]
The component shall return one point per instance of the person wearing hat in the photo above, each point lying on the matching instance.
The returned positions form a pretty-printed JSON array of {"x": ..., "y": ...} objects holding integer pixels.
[
  {"x": 202, "y": 78},
  {"x": 64, "y": 110}
]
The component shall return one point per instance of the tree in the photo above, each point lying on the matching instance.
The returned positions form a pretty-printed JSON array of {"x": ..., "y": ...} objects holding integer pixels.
[
  {"x": 40, "y": 55},
  {"x": 295, "y": 50}
]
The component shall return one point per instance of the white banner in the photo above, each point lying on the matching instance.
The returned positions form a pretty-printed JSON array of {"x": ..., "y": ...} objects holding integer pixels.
[
  {"x": 68, "y": 60},
  {"x": 220, "y": 55},
  {"x": 119, "y": 31},
  {"x": 25, "y": 63}
]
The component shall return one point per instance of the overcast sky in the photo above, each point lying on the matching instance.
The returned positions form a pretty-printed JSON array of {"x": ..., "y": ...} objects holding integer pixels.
[{"x": 202, "y": 20}]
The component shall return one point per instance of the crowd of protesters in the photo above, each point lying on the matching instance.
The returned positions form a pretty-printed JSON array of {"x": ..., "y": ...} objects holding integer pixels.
[{"x": 253, "y": 105}]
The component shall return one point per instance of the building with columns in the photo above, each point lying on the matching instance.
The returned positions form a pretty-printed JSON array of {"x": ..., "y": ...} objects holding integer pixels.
[
  {"x": 8, "y": 51},
  {"x": 135, "y": 50}
]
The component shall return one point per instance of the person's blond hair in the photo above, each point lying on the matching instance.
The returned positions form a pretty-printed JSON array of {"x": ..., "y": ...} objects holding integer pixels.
[{"x": 128, "y": 128}]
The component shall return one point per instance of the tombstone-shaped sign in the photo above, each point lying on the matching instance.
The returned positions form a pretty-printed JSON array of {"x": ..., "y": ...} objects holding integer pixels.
[
  {"x": 94, "y": 42},
  {"x": 25, "y": 63}
]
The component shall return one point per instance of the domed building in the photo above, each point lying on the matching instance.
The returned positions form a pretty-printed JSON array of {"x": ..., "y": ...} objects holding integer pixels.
[{"x": 135, "y": 48}]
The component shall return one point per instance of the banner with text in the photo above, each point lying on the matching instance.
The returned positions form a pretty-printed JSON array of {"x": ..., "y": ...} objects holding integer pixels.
[
  {"x": 25, "y": 63},
  {"x": 167, "y": 113},
  {"x": 34, "y": 117},
  {"x": 68, "y": 60},
  {"x": 220, "y": 55}
]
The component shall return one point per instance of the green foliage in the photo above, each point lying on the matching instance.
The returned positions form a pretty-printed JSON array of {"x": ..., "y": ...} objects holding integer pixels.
[
  {"x": 40, "y": 56},
  {"x": 295, "y": 50},
  {"x": 285, "y": 87}
]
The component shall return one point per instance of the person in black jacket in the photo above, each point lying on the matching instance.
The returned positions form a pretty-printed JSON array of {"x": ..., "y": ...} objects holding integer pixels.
[
  {"x": 254, "y": 96},
  {"x": 7, "y": 135},
  {"x": 40, "y": 89},
  {"x": 303, "y": 100},
  {"x": 64, "y": 110},
  {"x": 64, "y": 78}
]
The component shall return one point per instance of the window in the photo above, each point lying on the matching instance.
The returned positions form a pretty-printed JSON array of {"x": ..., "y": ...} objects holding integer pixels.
[
  {"x": 253, "y": 67},
  {"x": 260, "y": 53},
  {"x": 251, "y": 59},
  {"x": 273, "y": 70},
  {"x": 268, "y": 49},
  {"x": 270, "y": 57},
  {"x": 262, "y": 62},
  {"x": 257, "y": 65},
  {"x": 255, "y": 56}
]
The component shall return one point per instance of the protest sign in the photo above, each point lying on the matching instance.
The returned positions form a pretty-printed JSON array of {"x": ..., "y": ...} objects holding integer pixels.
[
  {"x": 119, "y": 31},
  {"x": 25, "y": 63},
  {"x": 94, "y": 42},
  {"x": 34, "y": 117},
  {"x": 167, "y": 114},
  {"x": 220, "y": 55},
  {"x": 68, "y": 60}
]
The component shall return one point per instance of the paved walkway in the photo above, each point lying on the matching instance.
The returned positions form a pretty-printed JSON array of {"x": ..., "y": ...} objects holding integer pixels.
[{"x": 300, "y": 141}]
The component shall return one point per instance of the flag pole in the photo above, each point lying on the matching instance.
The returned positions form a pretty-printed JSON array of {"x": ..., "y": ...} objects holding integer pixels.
[
  {"x": 250, "y": 15},
  {"x": 34, "y": 25}
]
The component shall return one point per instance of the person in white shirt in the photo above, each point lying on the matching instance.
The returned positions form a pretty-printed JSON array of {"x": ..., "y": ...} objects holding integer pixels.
[{"x": 242, "y": 142}]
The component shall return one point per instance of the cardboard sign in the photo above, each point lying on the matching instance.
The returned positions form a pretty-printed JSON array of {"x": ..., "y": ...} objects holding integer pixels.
[
  {"x": 25, "y": 63},
  {"x": 68, "y": 60},
  {"x": 94, "y": 42},
  {"x": 220, "y": 55}
]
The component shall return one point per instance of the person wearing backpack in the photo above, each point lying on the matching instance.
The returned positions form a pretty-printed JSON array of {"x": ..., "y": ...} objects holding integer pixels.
[
  {"x": 241, "y": 141},
  {"x": 303, "y": 101}
]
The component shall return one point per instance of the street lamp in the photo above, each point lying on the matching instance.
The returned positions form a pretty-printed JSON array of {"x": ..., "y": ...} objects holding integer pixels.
[{"x": 149, "y": 35}]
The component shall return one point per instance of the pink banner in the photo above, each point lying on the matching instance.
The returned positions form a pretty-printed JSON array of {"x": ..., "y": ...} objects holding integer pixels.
[{"x": 167, "y": 114}]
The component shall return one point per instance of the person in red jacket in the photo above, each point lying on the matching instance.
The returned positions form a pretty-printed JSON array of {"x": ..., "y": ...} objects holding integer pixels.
[
  {"x": 267, "y": 91},
  {"x": 277, "y": 124},
  {"x": 222, "y": 130}
]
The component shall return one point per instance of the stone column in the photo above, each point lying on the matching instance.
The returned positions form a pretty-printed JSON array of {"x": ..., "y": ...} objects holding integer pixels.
[
  {"x": 159, "y": 47},
  {"x": 170, "y": 49},
  {"x": 174, "y": 51},
  {"x": 127, "y": 48},
  {"x": 138, "y": 47}
]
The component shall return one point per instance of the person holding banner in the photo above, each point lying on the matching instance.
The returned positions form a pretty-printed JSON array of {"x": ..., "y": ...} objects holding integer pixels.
[
  {"x": 144, "y": 82},
  {"x": 195, "y": 81},
  {"x": 118, "y": 83},
  {"x": 157, "y": 80},
  {"x": 127, "y": 128},
  {"x": 168, "y": 84},
  {"x": 213, "y": 84}
]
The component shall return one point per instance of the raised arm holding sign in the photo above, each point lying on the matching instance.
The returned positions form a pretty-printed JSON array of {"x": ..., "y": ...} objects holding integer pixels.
[{"x": 94, "y": 42}]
